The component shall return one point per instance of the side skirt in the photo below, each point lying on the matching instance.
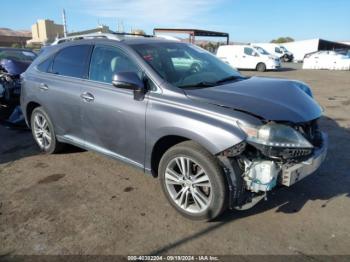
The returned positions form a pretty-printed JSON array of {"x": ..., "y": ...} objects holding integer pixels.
[{"x": 82, "y": 144}]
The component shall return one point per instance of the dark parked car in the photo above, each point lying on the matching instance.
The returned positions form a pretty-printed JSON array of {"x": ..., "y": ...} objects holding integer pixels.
[
  {"x": 13, "y": 62},
  {"x": 214, "y": 138}
]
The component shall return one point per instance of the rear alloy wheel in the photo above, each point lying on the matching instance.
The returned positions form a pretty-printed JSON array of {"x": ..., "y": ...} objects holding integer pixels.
[
  {"x": 193, "y": 181},
  {"x": 261, "y": 67},
  {"x": 195, "y": 68},
  {"x": 43, "y": 132}
]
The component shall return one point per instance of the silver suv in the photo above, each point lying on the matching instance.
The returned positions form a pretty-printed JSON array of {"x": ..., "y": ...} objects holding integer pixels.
[{"x": 214, "y": 138}]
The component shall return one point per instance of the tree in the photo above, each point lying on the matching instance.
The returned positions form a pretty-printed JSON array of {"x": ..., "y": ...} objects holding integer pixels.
[
  {"x": 16, "y": 45},
  {"x": 281, "y": 40},
  {"x": 34, "y": 46}
]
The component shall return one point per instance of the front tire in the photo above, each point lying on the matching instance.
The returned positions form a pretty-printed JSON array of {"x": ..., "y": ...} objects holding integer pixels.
[
  {"x": 286, "y": 58},
  {"x": 43, "y": 132},
  {"x": 193, "y": 181},
  {"x": 261, "y": 67}
]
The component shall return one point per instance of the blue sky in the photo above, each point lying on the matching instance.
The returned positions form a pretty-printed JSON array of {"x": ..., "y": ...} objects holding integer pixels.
[{"x": 245, "y": 20}]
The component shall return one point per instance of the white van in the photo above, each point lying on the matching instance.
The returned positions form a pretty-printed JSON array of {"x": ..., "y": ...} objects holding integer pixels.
[
  {"x": 248, "y": 57},
  {"x": 277, "y": 50}
]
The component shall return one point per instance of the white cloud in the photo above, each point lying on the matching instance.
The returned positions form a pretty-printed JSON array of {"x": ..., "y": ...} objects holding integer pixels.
[{"x": 174, "y": 13}]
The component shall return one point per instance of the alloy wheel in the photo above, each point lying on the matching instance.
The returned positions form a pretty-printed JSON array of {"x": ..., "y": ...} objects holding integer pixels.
[
  {"x": 188, "y": 184},
  {"x": 42, "y": 131}
]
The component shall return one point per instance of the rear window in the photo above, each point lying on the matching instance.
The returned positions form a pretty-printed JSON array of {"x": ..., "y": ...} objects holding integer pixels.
[{"x": 72, "y": 61}]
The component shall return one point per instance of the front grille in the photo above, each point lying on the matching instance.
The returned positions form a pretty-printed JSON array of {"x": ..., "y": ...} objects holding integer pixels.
[{"x": 296, "y": 152}]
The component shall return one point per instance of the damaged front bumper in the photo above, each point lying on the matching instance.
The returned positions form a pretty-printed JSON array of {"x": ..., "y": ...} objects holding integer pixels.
[
  {"x": 262, "y": 175},
  {"x": 295, "y": 172}
]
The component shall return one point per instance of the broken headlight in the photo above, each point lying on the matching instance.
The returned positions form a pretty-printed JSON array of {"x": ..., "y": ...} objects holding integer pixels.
[{"x": 277, "y": 140}]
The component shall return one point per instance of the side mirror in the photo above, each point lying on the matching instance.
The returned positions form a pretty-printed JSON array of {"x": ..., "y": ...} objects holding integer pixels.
[{"x": 130, "y": 80}]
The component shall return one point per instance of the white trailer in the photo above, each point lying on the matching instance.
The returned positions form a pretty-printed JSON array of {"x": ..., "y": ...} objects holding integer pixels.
[{"x": 330, "y": 60}]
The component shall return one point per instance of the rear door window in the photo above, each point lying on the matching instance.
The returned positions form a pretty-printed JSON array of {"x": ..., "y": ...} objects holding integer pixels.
[{"x": 72, "y": 61}]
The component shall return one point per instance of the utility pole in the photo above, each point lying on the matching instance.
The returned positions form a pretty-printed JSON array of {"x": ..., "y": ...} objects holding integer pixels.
[
  {"x": 120, "y": 25},
  {"x": 64, "y": 23}
]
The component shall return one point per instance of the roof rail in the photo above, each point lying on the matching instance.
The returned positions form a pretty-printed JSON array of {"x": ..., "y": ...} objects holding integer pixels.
[
  {"x": 132, "y": 34},
  {"x": 86, "y": 36},
  {"x": 113, "y": 35}
]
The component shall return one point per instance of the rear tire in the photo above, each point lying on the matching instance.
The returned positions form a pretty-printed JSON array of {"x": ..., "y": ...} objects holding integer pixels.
[
  {"x": 261, "y": 67},
  {"x": 201, "y": 194},
  {"x": 43, "y": 132}
]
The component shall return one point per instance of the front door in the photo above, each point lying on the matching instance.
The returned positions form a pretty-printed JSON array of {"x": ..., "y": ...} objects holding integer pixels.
[
  {"x": 249, "y": 58},
  {"x": 113, "y": 122}
]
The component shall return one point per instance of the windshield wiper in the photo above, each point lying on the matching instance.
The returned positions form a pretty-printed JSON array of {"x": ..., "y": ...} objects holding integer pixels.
[
  {"x": 200, "y": 84},
  {"x": 226, "y": 79},
  {"x": 210, "y": 84}
]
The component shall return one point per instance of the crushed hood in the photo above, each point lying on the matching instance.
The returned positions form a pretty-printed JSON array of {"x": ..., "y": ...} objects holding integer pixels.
[
  {"x": 14, "y": 67},
  {"x": 268, "y": 98}
]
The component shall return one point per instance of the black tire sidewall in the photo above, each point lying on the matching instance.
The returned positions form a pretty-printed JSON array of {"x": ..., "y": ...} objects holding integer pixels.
[
  {"x": 218, "y": 183},
  {"x": 54, "y": 142}
]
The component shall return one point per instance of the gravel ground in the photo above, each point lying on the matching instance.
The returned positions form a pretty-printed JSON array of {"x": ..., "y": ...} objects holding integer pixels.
[{"x": 83, "y": 203}]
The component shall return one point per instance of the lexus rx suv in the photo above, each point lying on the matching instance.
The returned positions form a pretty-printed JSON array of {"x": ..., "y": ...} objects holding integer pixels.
[{"x": 214, "y": 138}]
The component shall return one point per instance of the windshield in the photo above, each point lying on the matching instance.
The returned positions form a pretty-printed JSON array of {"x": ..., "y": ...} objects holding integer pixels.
[
  {"x": 19, "y": 55},
  {"x": 261, "y": 50},
  {"x": 185, "y": 65},
  {"x": 284, "y": 49}
]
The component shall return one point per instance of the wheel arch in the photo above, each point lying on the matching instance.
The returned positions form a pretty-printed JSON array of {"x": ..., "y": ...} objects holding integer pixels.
[
  {"x": 29, "y": 109},
  {"x": 160, "y": 147}
]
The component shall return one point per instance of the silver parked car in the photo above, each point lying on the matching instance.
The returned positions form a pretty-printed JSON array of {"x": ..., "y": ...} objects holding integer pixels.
[{"x": 214, "y": 138}]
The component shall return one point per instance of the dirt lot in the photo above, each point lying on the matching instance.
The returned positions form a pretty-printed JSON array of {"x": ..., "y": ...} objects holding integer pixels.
[{"x": 84, "y": 203}]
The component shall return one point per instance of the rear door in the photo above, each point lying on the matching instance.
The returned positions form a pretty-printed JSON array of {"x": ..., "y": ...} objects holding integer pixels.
[
  {"x": 59, "y": 88},
  {"x": 113, "y": 122}
]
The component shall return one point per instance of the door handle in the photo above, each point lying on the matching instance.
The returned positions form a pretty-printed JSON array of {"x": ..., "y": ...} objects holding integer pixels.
[
  {"x": 87, "y": 97},
  {"x": 43, "y": 87}
]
